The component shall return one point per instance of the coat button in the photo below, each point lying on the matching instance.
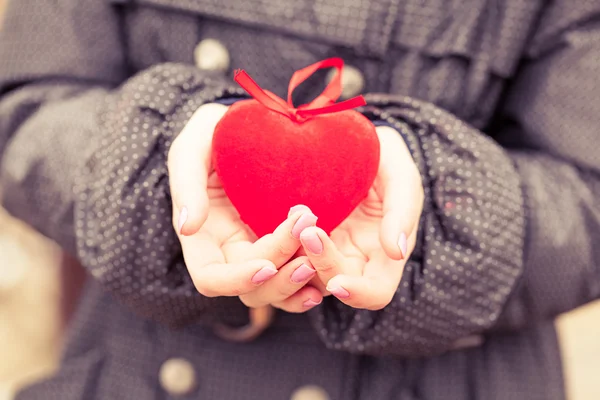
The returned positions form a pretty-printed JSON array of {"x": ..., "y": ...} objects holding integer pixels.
[
  {"x": 353, "y": 81},
  {"x": 211, "y": 55},
  {"x": 310, "y": 392},
  {"x": 177, "y": 377}
]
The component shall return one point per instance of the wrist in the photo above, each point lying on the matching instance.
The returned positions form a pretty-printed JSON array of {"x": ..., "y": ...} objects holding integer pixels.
[
  {"x": 206, "y": 117},
  {"x": 382, "y": 123}
]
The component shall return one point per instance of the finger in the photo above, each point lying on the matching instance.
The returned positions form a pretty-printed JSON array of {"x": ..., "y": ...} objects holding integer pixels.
[
  {"x": 402, "y": 211},
  {"x": 324, "y": 255},
  {"x": 212, "y": 276},
  {"x": 303, "y": 300},
  {"x": 319, "y": 285},
  {"x": 399, "y": 185},
  {"x": 315, "y": 281},
  {"x": 279, "y": 246},
  {"x": 290, "y": 278},
  {"x": 376, "y": 288},
  {"x": 370, "y": 293},
  {"x": 189, "y": 164}
]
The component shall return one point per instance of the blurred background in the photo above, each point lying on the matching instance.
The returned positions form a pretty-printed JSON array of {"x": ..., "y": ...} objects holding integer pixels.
[{"x": 39, "y": 286}]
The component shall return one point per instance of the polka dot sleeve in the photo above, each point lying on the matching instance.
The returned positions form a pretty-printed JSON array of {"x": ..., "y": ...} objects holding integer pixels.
[
  {"x": 550, "y": 122},
  {"x": 469, "y": 254},
  {"x": 123, "y": 208}
]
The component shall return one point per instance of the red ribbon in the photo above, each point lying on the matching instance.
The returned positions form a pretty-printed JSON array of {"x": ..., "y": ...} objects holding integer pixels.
[{"x": 323, "y": 104}]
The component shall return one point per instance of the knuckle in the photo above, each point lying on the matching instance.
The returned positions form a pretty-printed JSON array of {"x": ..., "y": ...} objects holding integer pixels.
[
  {"x": 236, "y": 291},
  {"x": 282, "y": 251},
  {"x": 275, "y": 248},
  {"x": 381, "y": 302},
  {"x": 200, "y": 285},
  {"x": 303, "y": 260},
  {"x": 206, "y": 292},
  {"x": 325, "y": 267},
  {"x": 284, "y": 291},
  {"x": 249, "y": 301}
]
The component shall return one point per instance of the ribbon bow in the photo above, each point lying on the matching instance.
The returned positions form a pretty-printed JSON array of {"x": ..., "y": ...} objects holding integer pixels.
[{"x": 323, "y": 104}]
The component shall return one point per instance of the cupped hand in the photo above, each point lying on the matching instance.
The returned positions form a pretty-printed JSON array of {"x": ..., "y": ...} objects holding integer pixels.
[
  {"x": 361, "y": 263},
  {"x": 223, "y": 256}
]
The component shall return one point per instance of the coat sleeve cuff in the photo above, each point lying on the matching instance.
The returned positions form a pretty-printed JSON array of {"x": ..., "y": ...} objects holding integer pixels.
[
  {"x": 470, "y": 251},
  {"x": 123, "y": 206}
]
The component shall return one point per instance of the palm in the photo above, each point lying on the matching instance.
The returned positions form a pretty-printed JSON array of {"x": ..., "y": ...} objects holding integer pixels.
[
  {"x": 357, "y": 237},
  {"x": 223, "y": 222}
]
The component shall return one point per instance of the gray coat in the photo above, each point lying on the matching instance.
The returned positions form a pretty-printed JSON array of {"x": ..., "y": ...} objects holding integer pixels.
[{"x": 499, "y": 102}]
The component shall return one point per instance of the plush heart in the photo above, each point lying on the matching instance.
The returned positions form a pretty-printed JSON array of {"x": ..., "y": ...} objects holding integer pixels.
[{"x": 270, "y": 158}]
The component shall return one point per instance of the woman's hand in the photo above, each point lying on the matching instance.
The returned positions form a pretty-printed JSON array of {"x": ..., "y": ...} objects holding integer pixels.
[
  {"x": 362, "y": 263},
  {"x": 223, "y": 256}
]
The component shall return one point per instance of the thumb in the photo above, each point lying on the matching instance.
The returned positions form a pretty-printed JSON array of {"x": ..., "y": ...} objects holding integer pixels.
[
  {"x": 399, "y": 185},
  {"x": 189, "y": 164}
]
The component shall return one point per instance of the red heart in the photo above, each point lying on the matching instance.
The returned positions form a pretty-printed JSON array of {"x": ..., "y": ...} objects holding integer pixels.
[{"x": 267, "y": 163}]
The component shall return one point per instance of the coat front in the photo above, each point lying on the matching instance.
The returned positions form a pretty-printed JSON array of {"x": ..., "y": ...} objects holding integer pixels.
[{"x": 497, "y": 100}]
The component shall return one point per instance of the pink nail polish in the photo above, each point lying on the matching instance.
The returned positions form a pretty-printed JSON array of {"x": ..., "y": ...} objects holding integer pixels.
[
  {"x": 299, "y": 207},
  {"x": 302, "y": 273},
  {"x": 310, "y": 303},
  {"x": 338, "y": 291},
  {"x": 303, "y": 222},
  {"x": 183, "y": 215},
  {"x": 313, "y": 243},
  {"x": 263, "y": 275},
  {"x": 403, "y": 244}
]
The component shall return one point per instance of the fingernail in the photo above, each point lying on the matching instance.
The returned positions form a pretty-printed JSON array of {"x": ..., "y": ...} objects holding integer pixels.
[
  {"x": 310, "y": 303},
  {"x": 182, "y": 218},
  {"x": 313, "y": 243},
  {"x": 263, "y": 275},
  {"x": 338, "y": 291},
  {"x": 403, "y": 244},
  {"x": 306, "y": 220},
  {"x": 302, "y": 273},
  {"x": 299, "y": 207}
]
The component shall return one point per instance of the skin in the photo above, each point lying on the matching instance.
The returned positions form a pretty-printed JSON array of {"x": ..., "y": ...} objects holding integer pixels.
[{"x": 361, "y": 263}]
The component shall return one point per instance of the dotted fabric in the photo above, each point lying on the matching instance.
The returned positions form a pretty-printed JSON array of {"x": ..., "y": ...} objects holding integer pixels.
[
  {"x": 360, "y": 24},
  {"x": 92, "y": 98},
  {"x": 123, "y": 213},
  {"x": 472, "y": 217}
]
